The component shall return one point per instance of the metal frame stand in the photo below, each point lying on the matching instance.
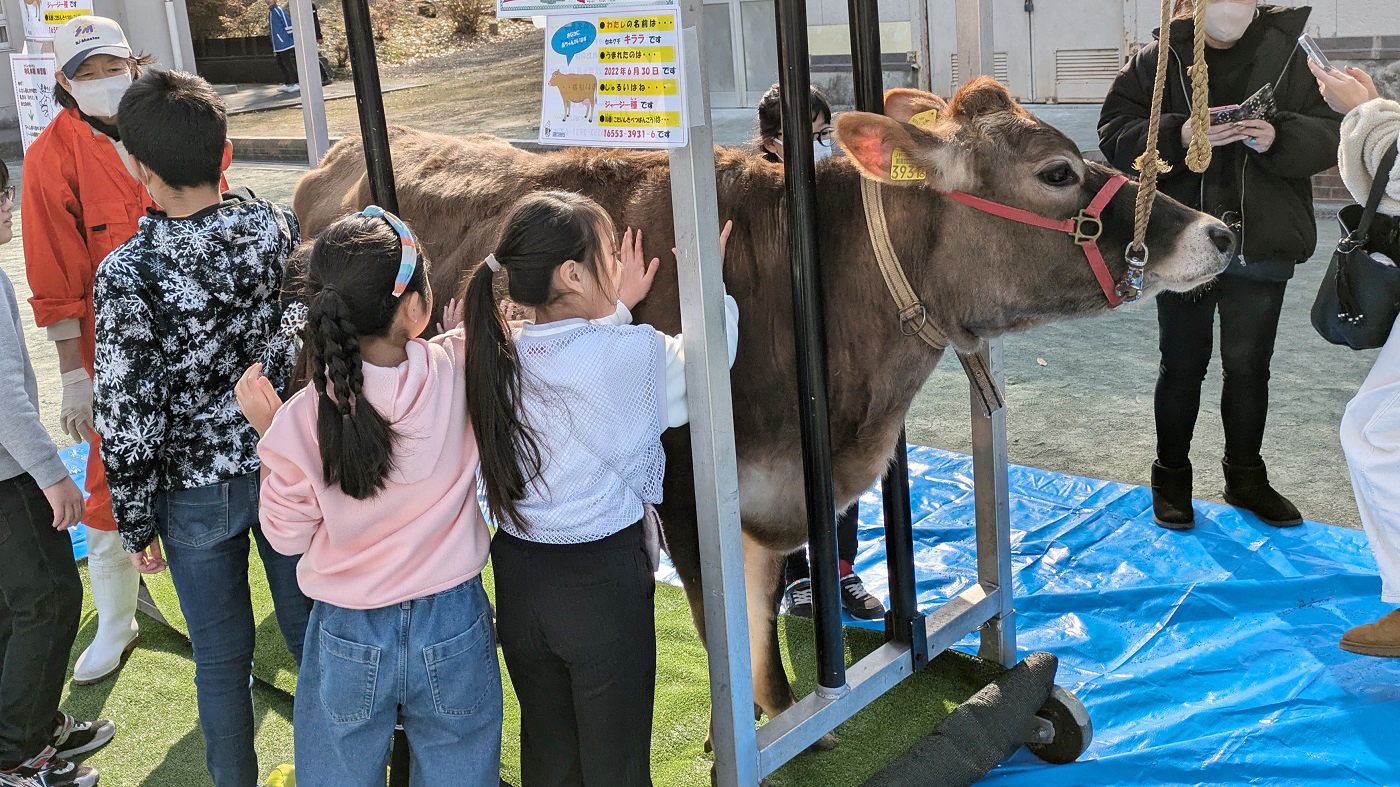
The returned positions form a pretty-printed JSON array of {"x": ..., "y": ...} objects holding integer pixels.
[
  {"x": 743, "y": 756},
  {"x": 313, "y": 98}
]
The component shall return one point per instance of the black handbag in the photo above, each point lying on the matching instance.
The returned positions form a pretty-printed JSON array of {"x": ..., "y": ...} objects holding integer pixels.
[{"x": 1360, "y": 297}]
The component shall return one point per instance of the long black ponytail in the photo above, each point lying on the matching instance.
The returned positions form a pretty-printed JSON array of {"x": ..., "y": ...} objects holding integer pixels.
[
  {"x": 350, "y": 276},
  {"x": 544, "y": 231}
]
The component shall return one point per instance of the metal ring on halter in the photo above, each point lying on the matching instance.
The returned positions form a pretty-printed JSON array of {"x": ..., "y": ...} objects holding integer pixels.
[
  {"x": 917, "y": 316},
  {"x": 1130, "y": 289}
]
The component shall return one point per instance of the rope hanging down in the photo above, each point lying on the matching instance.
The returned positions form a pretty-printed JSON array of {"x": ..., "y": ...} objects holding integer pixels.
[
  {"x": 1198, "y": 157},
  {"x": 1150, "y": 163}
]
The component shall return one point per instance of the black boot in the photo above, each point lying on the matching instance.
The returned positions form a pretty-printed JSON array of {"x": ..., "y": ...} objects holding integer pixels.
[
  {"x": 1248, "y": 487},
  {"x": 1171, "y": 497}
]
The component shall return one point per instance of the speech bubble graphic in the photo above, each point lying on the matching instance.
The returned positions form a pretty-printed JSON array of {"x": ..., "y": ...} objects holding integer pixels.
[{"x": 573, "y": 38}]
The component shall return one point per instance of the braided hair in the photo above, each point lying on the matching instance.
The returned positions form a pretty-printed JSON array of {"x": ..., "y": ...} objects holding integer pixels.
[{"x": 350, "y": 276}]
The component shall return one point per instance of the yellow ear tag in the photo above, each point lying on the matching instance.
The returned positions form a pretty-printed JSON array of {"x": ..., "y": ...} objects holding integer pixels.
[{"x": 902, "y": 167}]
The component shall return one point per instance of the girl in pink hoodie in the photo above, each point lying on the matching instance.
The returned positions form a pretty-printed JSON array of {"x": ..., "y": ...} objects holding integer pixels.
[{"x": 370, "y": 475}]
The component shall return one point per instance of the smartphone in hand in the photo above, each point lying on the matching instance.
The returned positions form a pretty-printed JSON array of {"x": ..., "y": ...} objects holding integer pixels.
[{"x": 1314, "y": 52}]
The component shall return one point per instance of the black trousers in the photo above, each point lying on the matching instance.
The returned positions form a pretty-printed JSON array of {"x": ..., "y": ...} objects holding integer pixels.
[
  {"x": 41, "y": 599},
  {"x": 847, "y": 525},
  {"x": 577, "y": 628},
  {"x": 1249, "y": 314},
  {"x": 287, "y": 61}
]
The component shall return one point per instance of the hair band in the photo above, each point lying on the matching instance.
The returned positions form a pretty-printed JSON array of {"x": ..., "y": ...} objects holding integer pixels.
[
  {"x": 408, "y": 263},
  {"x": 493, "y": 263}
]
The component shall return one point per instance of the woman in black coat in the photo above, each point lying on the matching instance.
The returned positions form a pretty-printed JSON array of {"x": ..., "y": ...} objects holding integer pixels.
[{"x": 1259, "y": 183}]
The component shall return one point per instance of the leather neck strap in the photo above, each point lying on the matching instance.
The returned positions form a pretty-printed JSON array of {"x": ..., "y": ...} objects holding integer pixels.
[{"x": 913, "y": 314}]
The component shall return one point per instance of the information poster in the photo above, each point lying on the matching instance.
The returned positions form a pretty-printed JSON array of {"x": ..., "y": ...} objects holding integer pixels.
[
  {"x": 614, "y": 80},
  {"x": 34, "y": 79},
  {"x": 525, "y": 8},
  {"x": 43, "y": 18}
]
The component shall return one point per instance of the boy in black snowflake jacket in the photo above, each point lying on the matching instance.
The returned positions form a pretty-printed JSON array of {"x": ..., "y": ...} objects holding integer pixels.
[{"x": 181, "y": 310}]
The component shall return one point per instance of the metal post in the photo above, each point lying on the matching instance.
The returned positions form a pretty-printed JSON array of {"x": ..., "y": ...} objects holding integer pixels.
[
  {"x": 974, "y": 26},
  {"x": 313, "y": 100},
  {"x": 865, "y": 55},
  {"x": 696, "y": 219},
  {"x": 925, "y": 45},
  {"x": 991, "y": 488},
  {"x": 380, "y": 166},
  {"x": 369, "y": 101},
  {"x": 794, "y": 78}
]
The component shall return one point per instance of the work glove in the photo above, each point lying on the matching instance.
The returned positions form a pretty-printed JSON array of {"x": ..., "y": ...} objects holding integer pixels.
[{"x": 75, "y": 416}]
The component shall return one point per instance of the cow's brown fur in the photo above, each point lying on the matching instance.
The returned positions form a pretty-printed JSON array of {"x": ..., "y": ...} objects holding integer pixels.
[{"x": 980, "y": 276}]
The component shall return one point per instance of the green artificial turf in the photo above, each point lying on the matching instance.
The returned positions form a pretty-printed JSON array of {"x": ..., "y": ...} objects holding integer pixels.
[{"x": 159, "y": 743}]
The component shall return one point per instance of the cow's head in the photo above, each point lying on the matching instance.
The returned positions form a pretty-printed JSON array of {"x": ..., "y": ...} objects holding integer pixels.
[{"x": 1001, "y": 275}]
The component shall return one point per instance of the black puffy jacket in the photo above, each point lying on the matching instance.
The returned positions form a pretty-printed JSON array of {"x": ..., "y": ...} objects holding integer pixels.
[{"x": 1278, "y": 225}]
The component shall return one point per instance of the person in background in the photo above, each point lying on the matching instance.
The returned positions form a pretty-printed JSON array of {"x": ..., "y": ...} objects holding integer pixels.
[
  {"x": 325, "y": 64},
  {"x": 82, "y": 198},
  {"x": 1371, "y": 426},
  {"x": 770, "y": 125},
  {"x": 797, "y": 571},
  {"x": 41, "y": 596},
  {"x": 183, "y": 308},
  {"x": 279, "y": 27},
  {"x": 1259, "y": 182}
]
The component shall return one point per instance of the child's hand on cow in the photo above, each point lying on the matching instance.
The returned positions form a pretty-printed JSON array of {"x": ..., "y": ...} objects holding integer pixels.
[
  {"x": 637, "y": 273},
  {"x": 453, "y": 315},
  {"x": 258, "y": 398},
  {"x": 723, "y": 240}
]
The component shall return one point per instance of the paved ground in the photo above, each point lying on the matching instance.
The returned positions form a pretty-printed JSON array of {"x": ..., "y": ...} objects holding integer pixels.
[
  {"x": 242, "y": 99},
  {"x": 1080, "y": 393}
]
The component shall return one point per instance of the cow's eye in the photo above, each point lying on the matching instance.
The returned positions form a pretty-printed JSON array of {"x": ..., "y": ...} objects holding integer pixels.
[{"x": 1060, "y": 175}]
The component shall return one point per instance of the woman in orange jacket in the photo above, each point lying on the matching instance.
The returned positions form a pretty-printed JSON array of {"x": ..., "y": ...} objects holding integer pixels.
[{"x": 82, "y": 199}]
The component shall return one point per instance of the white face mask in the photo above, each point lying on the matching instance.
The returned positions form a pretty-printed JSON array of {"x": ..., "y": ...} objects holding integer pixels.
[
  {"x": 1226, "y": 22},
  {"x": 100, "y": 98},
  {"x": 819, "y": 151}
]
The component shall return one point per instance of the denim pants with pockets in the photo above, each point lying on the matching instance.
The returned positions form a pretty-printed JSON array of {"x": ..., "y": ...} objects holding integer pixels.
[
  {"x": 205, "y": 532},
  {"x": 429, "y": 664}
]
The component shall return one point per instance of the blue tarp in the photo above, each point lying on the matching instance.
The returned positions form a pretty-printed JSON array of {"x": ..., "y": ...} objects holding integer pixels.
[
  {"x": 1205, "y": 657},
  {"x": 75, "y": 459}
]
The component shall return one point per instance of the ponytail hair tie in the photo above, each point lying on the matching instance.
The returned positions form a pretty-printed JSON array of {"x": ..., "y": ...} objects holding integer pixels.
[{"x": 493, "y": 263}]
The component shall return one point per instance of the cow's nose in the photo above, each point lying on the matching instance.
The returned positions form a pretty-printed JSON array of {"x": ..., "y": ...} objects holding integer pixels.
[{"x": 1223, "y": 238}]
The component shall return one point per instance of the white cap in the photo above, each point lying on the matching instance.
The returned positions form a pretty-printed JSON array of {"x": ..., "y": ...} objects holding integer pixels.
[{"x": 85, "y": 36}]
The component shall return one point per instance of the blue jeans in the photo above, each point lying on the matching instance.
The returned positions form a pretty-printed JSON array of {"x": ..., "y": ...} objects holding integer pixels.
[
  {"x": 205, "y": 532},
  {"x": 429, "y": 664}
]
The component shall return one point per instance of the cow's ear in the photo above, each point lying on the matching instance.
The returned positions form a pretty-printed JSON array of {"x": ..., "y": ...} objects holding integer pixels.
[
  {"x": 903, "y": 103},
  {"x": 898, "y": 154},
  {"x": 983, "y": 96}
]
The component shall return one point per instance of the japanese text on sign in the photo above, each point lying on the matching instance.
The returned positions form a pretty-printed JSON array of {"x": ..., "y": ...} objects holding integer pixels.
[{"x": 614, "y": 80}]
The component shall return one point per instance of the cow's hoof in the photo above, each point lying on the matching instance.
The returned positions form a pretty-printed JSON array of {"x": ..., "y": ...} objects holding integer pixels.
[{"x": 826, "y": 742}]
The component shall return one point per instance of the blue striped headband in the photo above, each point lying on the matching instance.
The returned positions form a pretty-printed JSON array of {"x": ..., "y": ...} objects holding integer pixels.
[{"x": 408, "y": 263}]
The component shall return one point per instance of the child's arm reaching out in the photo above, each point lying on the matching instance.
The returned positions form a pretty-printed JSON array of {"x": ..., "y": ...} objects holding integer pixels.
[{"x": 677, "y": 413}]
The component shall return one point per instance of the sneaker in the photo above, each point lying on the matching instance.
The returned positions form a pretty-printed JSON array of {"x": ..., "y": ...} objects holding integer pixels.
[
  {"x": 49, "y": 770},
  {"x": 293, "y": 88},
  {"x": 798, "y": 598},
  {"x": 858, "y": 601},
  {"x": 73, "y": 738}
]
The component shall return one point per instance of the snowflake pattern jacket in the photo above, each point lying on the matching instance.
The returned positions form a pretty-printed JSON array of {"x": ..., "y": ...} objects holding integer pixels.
[{"x": 182, "y": 309}]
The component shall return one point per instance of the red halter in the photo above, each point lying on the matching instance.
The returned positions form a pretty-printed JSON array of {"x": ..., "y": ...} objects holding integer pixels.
[{"x": 1085, "y": 227}]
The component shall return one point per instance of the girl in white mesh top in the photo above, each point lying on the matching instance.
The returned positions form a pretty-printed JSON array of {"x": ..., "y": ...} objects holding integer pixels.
[{"x": 568, "y": 411}]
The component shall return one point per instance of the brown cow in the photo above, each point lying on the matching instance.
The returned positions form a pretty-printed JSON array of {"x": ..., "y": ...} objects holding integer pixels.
[
  {"x": 576, "y": 89},
  {"x": 979, "y": 275}
]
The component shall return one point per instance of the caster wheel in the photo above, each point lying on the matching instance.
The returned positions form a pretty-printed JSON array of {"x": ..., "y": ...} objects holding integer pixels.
[{"x": 1062, "y": 729}]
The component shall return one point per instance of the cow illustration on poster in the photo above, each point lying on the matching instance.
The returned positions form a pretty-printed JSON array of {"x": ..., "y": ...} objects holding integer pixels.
[{"x": 576, "y": 89}]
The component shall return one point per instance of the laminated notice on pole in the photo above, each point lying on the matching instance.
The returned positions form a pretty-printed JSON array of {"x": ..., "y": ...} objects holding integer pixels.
[
  {"x": 43, "y": 18},
  {"x": 527, "y": 8},
  {"x": 614, "y": 80},
  {"x": 33, "y": 78}
]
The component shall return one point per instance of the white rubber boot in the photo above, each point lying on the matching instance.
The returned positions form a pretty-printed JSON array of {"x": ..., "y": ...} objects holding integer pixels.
[{"x": 114, "y": 584}]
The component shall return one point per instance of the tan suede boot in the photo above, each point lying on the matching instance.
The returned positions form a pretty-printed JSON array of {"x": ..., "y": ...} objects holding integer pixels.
[{"x": 1381, "y": 638}]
